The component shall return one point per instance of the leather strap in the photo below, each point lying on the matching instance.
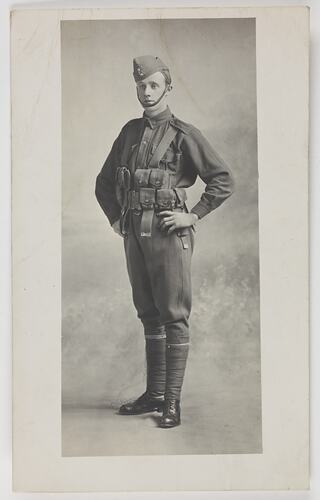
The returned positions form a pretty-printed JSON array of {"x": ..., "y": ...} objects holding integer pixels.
[
  {"x": 155, "y": 337},
  {"x": 146, "y": 222},
  {"x": 162, "y": 147},
  {"x": 184, "y": 241}
]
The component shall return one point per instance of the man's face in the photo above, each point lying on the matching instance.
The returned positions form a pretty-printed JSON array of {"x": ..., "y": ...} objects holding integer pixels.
[{"x": 151, "y": 89}]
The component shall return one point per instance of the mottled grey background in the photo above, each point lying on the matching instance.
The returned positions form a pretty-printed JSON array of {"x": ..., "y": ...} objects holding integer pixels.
[{"x": 213, "y": 67}]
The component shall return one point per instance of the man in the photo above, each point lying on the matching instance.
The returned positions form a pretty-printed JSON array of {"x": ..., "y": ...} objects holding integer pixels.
[{"x": 141, "y": 189}]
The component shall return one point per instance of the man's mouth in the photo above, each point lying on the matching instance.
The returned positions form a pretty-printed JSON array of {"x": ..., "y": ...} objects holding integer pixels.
[{"x": 148, "y": 103}]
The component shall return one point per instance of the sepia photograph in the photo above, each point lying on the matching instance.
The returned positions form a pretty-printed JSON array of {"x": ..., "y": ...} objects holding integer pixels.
[{"x": 159, "y": 128}]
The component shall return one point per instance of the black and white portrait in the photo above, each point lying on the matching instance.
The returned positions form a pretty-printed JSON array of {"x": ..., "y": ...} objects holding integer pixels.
[{"x": 138, "y": 353}]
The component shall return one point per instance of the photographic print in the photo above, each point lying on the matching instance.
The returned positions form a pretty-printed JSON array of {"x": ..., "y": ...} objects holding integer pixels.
[
  {"x": 160, "y": 249},
  {"x": 165, "y": 109}
]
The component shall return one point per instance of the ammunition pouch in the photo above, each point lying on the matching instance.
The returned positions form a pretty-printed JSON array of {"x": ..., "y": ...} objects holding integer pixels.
[
  {"x": 151, "y": 191},
  {"x": 166, "y": 199},
  {"x": 141, "y": 178},
  {"x": 147, "y": 198},
  {"x": 156, "y": 199},
  {"x": 160, "y": 178},
  {"x": 153, "y": 177}
]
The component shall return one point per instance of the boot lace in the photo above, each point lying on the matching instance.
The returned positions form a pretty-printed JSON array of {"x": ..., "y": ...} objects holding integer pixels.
[{"x": 171, "y": 406}]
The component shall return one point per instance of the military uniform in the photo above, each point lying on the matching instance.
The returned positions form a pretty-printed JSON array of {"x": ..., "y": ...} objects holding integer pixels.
[{"x": 151, "y": 163}]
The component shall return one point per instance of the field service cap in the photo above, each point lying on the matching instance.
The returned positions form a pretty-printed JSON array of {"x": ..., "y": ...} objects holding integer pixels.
[{"x": 145, "y": 66}]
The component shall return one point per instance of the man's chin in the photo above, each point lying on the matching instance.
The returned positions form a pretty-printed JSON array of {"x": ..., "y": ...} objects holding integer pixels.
[{"x": 148, "y": 104}]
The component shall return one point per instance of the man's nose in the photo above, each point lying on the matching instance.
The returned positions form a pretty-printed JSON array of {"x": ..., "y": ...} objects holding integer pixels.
[{"x": 147, "y": 91}]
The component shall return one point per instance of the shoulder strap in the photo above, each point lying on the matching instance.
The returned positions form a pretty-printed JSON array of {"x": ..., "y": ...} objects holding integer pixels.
[{"x": 162, "y": 147}]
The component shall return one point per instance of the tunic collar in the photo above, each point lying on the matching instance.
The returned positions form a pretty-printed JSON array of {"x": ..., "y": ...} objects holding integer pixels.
[{"x": 158, "y": 119}]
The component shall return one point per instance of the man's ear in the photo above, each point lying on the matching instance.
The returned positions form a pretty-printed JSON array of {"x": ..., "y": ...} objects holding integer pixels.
[{"x": 169, "y": 88}]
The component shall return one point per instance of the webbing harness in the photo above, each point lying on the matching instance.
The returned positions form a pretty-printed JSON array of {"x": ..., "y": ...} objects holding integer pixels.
[
  {"x": 148, "y": 211},
  {"x": 162, "y": 147},
  {"x": 152, "y": 188}
]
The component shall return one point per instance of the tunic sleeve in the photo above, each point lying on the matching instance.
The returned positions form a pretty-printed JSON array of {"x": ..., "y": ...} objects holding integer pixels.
[
  {"x": 205, "y": 162},
  {"x": 105, "y": 184}
]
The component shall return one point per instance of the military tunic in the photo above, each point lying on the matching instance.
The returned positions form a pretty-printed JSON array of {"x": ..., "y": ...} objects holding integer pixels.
[
  {"x": 159, "y": 267},
  {"x": 189, "y": 155}
]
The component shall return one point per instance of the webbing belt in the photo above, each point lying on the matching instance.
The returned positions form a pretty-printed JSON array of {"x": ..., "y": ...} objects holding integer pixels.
[{"x": 170, "y": 199}]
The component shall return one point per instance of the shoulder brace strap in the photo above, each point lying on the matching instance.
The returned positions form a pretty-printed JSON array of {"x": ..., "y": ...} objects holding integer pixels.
[{"x": 162, "y": 147}]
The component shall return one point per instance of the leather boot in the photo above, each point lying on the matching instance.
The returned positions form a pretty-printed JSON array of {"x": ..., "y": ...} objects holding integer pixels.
[
  {"x": 152, "y": 399},
  {"x": 171, "y": 414},
  {"x": 176, "y": 360},
  {"x": 144, "y": 404}
]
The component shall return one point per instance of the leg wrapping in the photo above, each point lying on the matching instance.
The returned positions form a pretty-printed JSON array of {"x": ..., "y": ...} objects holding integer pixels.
[
  {"x": 176, "y": 360},
  {"x": 156, "y": 361}
]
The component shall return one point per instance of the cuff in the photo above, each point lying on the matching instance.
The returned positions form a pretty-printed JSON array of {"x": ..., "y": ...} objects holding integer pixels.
[{"x": 200, "y": 209}]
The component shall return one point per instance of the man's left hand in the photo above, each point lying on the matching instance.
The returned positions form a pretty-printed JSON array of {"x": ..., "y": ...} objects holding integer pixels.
[{"x": 176, "y": 220}]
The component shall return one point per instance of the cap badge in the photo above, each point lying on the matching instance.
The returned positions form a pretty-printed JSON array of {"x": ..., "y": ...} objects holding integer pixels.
[{"x": 139, "y": 71}]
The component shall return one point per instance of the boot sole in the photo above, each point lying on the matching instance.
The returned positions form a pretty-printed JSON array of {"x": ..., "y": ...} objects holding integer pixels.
[
  {"x": 151, "y": 410},
  {"x": 169, "y": 426}
]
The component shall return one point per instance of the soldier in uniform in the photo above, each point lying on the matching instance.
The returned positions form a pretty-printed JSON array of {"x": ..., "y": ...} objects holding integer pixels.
[{"x": 141, "y": 189}]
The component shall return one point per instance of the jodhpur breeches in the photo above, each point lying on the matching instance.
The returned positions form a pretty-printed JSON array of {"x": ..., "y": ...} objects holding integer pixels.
[{"x": 159, "y": 269}]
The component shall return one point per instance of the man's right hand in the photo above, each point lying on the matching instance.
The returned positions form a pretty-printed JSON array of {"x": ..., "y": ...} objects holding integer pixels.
[{"x": 116, "y": 227}]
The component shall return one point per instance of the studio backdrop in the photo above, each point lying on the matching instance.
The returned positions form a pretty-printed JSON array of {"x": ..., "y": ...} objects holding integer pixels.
[{"x": 213, "y": 68}]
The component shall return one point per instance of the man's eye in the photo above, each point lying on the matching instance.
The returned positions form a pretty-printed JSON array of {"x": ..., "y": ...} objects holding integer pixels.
[{"x": 154, "y": 86}]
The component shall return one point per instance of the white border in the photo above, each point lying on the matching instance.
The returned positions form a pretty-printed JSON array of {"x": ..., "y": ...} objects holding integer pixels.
[
  {"x": 315, "y": 178},
  {"x": 282, "y": 65}
]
